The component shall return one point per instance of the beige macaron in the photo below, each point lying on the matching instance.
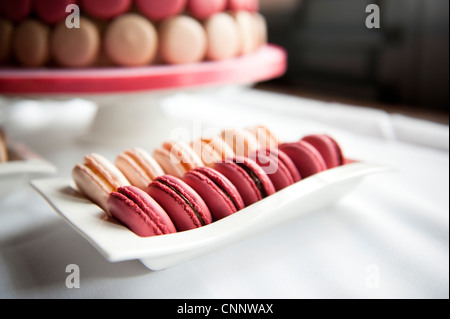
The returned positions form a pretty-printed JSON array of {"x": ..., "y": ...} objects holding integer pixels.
[
  {"x": 131, "y": 40},
  {"x": 242, "y": 142},
  {"x": 223, "y": 37},
  {"x": 6, "y": 31},
  {"x": 31, "y": 43},
  {"x": 248, "y": 31},
  {"x": 177, "y": 158},
  {"x": 212, "y": 150},
  {"x": 182, "y": 40},
  {"x": 76, "y": 47},
  {"x": 3, "y": 147}
]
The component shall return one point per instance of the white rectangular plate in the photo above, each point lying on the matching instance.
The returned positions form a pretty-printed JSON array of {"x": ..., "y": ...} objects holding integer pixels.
[{"x": 116, "y": 243}]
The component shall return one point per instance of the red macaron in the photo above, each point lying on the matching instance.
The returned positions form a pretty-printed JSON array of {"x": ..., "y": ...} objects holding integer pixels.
[
  {"x": 52, "y": 11},
  {"x": 306, "y": 158},
  {"x": 203, "y": 9},
  {"x": 248, "y": 177},
  {"x": 105, "y": 9},
  {"x": 183, "y": 205},
  {"x": 158, "y": 10},
  {"x": 16, "y": 10},
  {"x": 139, "y": 212},
  {"x": 278, "y": 166},
  {"x": 219, "y": 194},
  {"x": 328, "y": 148},
  {"x": 247, "y": 5}
]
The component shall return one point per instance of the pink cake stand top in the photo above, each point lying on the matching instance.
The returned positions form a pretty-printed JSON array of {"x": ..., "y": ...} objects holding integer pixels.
[{"x": 267, "y": 63}]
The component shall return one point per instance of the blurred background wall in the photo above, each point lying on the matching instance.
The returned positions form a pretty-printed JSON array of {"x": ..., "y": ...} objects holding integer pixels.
[{"x": 332, "y": 52}]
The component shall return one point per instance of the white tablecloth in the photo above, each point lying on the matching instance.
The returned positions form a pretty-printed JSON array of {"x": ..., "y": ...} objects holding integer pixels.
[{"x": 387, "y": 239}]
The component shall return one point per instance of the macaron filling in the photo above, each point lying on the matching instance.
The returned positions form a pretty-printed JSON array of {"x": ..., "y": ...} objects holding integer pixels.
[
  {"x": 185, "y": 199},
  {"x": 258, "y": 183}
]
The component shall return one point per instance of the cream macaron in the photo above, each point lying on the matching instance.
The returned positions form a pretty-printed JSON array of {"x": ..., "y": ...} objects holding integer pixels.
[
  {"x": 6, "y": 32},
  {"x": 182, "y": 40},
  {"x": 30, "y": 43},
  {"x": 223, "y": 37},
  {"x": 248, "y": 31},
  {"x": 131, "y": 40}
]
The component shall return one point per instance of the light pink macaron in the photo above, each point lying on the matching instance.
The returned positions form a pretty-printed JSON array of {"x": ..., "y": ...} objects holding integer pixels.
[
  {"x": 203, "y": 9},
  {"x": 159, "y": 10}
]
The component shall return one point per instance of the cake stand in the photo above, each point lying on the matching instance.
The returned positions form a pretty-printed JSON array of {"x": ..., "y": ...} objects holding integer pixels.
[{"x": 128, "y": 99}]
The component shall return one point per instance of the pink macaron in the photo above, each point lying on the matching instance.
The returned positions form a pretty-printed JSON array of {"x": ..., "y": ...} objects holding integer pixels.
[
  {"x": 15, "y": 10},
  {"x": 158, "y": 10},
  {"x": 184, "y": 206},
  {"x": 248, "y": 177},
  {"x": 105, "y": 9},
  {"x": 328, "y": 148},
  {"x": 52, "y": 11},
  {"x": 248, "y": 5},
  {"x": 139, "y": 212},
  {"x": 219, "y": 194},
  {"x": 203, "y": 9},
  {"x": 306, "y": 158},
  {"x": 278, "y": 166}
]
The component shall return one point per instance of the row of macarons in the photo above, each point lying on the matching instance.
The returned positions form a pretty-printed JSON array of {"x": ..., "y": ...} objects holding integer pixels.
[
  {"x": 54, "y": 11},
  {"x": 132, "y": 40},
  {"x": 182, "y": 187}
]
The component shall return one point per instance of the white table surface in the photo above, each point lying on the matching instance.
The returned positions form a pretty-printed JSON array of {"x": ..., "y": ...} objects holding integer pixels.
[{"x": 387, "y": 239}]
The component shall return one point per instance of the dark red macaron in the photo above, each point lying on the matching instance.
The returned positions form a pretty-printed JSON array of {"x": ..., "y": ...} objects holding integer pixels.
[
  {"x": 52, "y": 11},
  {"x": 248, "y": 177},
  {"x": 139, "y": 212},
  {"x": 183, "y": 205},
  {"x": 105, "y": 9},
  {"x": 158, "y": 10},
  {"x": 203, "y": 9},
  {"x": 219, "y": 194},
  {"x": 15, "y": 10},
  {"x": 328, "y": 148},
  {"x": 306, "y": 158},
  {"x": 278, "y": 166}
]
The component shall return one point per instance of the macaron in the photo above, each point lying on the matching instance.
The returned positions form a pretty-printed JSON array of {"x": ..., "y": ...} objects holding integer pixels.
[
  {"x": 262, "y": 31},
  {"x": 30, "y": 43},
  {"x": 3, "y": 147},
  {"x": 265, "y": 137},
  {"x": 52, "y": 11},
  {"x": 131, "y": 40},
  {"x": 97, "y": 178},
  {"x": 212, "y": 149},
  {"x": 182, "y": 40},
  {"x": 15, "y": 10},
  {"x": 223, "y": 37},
  {"x": 105, "y": 9},
  {"x": 177, "y": 158},
  {"x": 328, "y": 148},
  {"x": 242, "y": 142},
  {"x": 140, "y": 213},
  {"x": 219, "y": 194},
  {"x": 306, "y": 158},
  {"x": 139, "y": 167},
  {"x": 248, "y": 31},
  {"x": 278, "y": 166},
  {"x": 248, "y": 5},
  {"x": 6, "y": 32},
  {"x": 76, "y": 47},
  {"x": 158, "y": 10},
  {"x": 203, "y": 9},
  {"x": 248, "y": 177},
  {"x": 185, "y": 207}
]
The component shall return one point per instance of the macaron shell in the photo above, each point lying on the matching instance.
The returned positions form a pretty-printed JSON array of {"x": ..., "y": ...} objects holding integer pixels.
[
  {"x": 182, "y": 40},
  {"x": 223, "y": 37},
  {"x": 286, "y": 160},
  {"x": 139, "y": 212},
  {"x": 278, "y": 173},
  {"x": 163, "y": 157},
  {"x": 52, "y": 11},
  {"x": 328, "y": 148},
  {"x": 249, "y": 5},
  {"x": 158, "y": 10},
  {"x": 305, "y": 157},
  {"x": 265, "y": 137},
  {"x": 131, "y": 40},
  {"x": 248, "y": 31},
  {"x": 242, "y": 142},
  {"x": 139, "y": 167},
  {"x": 203, "y": 9},
  {"x": 105, "y": 9},
  {"x": 15, "y": 10},
  {"x": 76, "y": 47},
  {"x": 181, "y": 202},
  {"x": 6, "y": 32},
  {"x": 219, "y": 194},
  {"x": 31, "y": 42}
]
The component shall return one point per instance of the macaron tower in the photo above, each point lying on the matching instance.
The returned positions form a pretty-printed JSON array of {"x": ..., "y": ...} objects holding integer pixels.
[
  {"x": 127, "y": 33},
  {"x": 181, "y": 186}
]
